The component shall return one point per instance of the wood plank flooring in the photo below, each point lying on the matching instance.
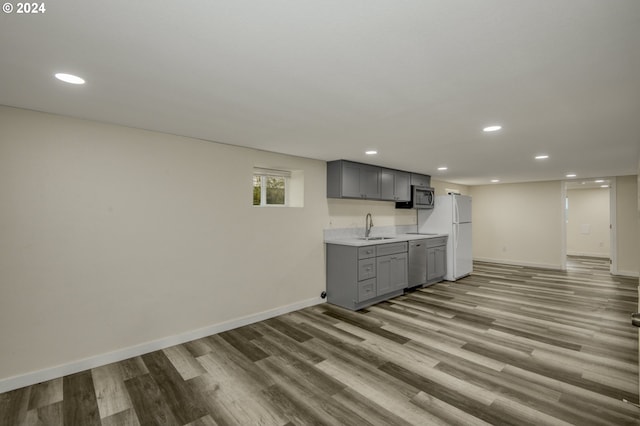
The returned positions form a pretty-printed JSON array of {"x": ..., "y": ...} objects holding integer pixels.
[{"x": 506, "y": 346}]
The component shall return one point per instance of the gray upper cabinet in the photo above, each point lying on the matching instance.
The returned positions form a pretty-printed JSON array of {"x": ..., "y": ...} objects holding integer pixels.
[
  {"x": 346, "y": 179},
  {"x": 395, "y": 185},
  {"x": 403, "y": 186},
  {"x": 420, "y": 180}
]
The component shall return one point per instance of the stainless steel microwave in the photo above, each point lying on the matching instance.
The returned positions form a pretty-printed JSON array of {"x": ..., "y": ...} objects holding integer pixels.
[{"x": 422, "y": 197}]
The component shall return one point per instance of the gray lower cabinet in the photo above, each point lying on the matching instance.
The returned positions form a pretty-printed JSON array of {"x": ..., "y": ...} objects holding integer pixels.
[
  {"x": 436, "y": 259},
  {"x": 362, "y": 276},
  {"x": 392, "y": 272}
]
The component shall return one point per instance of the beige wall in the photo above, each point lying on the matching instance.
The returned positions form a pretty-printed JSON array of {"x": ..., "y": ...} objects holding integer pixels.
[
  {"x": 521, "y": 223},
  {"x": 441, "y": 187},
  {"x": 588, "y": 222},
  {"x": 344, "y": 213},
  {"x": 627, "y": 244},
  {"x": 518, "y": 223},
  {"x": 111, "y": 237},
  {"x": 351, "y": 213}
]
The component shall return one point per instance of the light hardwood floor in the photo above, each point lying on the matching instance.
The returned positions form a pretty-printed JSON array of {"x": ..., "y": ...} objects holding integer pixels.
[{"x": 507, "y": 345}]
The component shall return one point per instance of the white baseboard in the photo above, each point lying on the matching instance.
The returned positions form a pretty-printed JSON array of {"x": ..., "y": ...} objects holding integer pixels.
[
  {"x": 586, "y": 254},
  {"x": 31, "y": 378},
  {"x": 632, "y": 274},
  {"x": 519, "y": 263}
]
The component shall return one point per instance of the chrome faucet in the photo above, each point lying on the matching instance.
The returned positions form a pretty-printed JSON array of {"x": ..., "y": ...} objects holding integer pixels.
[{"x": 368, "y": 224}]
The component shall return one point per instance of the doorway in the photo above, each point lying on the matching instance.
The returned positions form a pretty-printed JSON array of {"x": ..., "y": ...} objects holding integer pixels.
[{"x": 589, "y": 220}]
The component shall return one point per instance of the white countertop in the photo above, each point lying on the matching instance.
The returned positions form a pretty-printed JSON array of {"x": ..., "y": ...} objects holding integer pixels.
[{"x": 374, "y": 240}]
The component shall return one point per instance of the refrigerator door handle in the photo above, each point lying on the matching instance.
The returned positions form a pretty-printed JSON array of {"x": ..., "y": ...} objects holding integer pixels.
[
  {"x": 456, "y": 233},
  {"x": 456, "y": 212}
]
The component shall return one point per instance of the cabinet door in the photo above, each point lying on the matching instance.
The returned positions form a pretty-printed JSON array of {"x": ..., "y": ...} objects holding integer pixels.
[
  {"x": 441, "y": 261},
  {"x": 402, "y": 186},
  {"x": 383, "y": 265},
  {"x": 387, "y": 184},
  {"x": 360, "y": 180},
  {"x": 391, "y": 273},
  {"x": 370, "y": 181},
  {"x": 431, "y": 264},
  {"x": 395, "y": 185},
  {"x": 436, "y": 263},
  {"x": 420, "y": 180},
  {"x": 399, "y": 272},
  {"x": 351, "y": 180}
]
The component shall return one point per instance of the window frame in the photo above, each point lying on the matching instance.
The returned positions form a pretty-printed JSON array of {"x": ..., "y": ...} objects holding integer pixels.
[{"x": 264, "y": 174}]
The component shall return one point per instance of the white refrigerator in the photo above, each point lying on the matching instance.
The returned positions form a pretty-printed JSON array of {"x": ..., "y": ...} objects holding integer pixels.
[{"x": 451, "y": 215}]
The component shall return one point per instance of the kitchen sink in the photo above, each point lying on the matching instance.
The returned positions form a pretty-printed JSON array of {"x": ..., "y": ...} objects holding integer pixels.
[{"x": 375, "y": 238}]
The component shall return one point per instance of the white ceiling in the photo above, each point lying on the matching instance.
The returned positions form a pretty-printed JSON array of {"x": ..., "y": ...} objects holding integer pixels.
[
  {"x": 328, "y": 79},
  {"x": 600, "y": 183}
]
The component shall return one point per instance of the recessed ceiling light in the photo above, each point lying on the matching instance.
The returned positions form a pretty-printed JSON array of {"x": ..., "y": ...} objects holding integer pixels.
[
  {"x": 604, "y": 186},
  {"x": 541, "y": 157},
  {"x": 372, "y": 152},
  {"x": 599, "y": 181},
  {"x": 69, "y": 78},
  {"x": 571, "y": 175},
  {"x": 495, "y": 180},
  {"x": 494, "y": 128},
  {"x": 442, "y": 168}
]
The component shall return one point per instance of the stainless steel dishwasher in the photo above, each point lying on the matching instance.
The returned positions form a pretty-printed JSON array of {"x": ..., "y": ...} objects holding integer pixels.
[{"x": 417, "y": 263}]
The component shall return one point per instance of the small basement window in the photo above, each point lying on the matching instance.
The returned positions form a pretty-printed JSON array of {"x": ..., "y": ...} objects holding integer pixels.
[
  {"x": 270, "y": 187},
  {"x": 276, "y": 187}
]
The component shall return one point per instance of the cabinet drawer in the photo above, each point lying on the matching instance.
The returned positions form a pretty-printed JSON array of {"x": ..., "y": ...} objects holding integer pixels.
[
  {"x": 435, "y": 242},
  {"x": 366, "y": 252},
  {"x": 366, "y": 289},
  {"x": 366, "y": 269},
  {"x": 392, "y": 248}
]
